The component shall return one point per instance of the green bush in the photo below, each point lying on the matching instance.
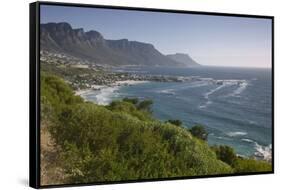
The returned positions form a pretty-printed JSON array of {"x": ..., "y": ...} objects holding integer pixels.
[
  {"x": 175, "y": 122},
  {"x": 56, "y": 92},
  {"x": 129, "y": 108},
  {"x": 240, "y": 165},
  {"x": 137, "y": 149},
  {"x": 245, "y": 165},
  {"x": 145, "y": 105},
  {"x": 225, "y": 153},
  {"x": 200, "y": 132},
  {"x": 134, "y": 101}
]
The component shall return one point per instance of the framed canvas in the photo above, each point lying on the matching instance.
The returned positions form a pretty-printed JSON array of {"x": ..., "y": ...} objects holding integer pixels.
[{"x": 123, "y": 94}]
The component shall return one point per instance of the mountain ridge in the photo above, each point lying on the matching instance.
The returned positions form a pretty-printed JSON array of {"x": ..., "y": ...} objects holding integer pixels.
[{"x": 92, "y": 46}]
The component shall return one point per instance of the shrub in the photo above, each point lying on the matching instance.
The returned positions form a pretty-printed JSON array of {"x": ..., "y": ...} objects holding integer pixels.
[
  {"x": 225, "y": 153},
  {"x": 145, "y": 105},
  {"x": 199, "y": 132},
  {"x": 243, "y": 165},
  {"x": 175, "y": 122},
  {"x": 134, "y": 101},
  {"x": 129, "y": 108}
]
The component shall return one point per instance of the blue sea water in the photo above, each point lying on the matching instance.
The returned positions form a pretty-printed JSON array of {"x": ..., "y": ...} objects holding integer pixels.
[{"x": 236, "y": 112}]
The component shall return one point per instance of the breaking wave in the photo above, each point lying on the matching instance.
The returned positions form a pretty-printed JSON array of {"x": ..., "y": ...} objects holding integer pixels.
[
  {"x": 263, "y": 152},
  {"x": 237, "y": 133},
  {"x": 206, "y": 96},
  {"x": 242, "y": 85},
  {"x": 247, "y": 140},
  {"x": 105, "y": 95},
  {"x": 240, "y": 89},
  {"x": 167, "y": 91}
]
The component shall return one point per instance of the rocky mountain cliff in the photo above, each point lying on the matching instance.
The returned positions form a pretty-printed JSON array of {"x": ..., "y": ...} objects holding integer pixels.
[{"x": 91, "y": 46}]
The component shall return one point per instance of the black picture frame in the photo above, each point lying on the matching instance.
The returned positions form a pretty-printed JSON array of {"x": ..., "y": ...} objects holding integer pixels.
[{"x": 34, "y": 91}]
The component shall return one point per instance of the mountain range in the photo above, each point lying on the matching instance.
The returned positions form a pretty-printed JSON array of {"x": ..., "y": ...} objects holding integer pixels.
[{"x": 91, "y": 46}]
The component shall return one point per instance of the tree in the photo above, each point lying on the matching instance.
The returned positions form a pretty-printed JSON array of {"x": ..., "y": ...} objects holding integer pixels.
[
  {"x": 134, "y": 101},
  {"x": 145, "y": 105},
  {"x": 175, "y": 122},
  {"x": 225, "y": 153},
  {"x": 199, "y": 132}
]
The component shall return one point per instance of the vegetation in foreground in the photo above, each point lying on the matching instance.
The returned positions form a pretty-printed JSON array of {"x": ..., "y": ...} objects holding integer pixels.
[{"x": 83, "y": 142}]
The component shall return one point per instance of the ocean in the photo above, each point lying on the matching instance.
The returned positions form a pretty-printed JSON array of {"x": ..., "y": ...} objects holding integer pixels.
[{"x": 233, "y": 104}]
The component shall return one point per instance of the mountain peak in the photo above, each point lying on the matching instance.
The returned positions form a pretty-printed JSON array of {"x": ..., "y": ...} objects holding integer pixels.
[
  {"x": 184, "y": 59},
  {"x": 64, "y": 25},
  {"x": 57, "y": 26},
  {"x": 94, "y": 34}
]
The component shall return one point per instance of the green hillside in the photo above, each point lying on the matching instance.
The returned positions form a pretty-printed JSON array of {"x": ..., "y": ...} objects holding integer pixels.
[{"x": 121, "y": 141}]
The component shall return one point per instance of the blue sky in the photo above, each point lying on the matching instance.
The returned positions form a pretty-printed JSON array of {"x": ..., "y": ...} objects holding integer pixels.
[{"x": 210, "y": 40}]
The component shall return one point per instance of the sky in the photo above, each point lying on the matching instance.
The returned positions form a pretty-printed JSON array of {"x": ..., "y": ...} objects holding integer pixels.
[{"x": 209, "y": 40}]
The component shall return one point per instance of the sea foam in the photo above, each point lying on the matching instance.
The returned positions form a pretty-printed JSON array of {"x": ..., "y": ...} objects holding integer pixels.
[
  {"x": 105, "y": 95},
  {"x": 206, "y": 96},
  {"x": 248, "y": 140},
  {"x": 236, "y": 133},
  {"x": 240, "y": 89},
  {"x": 167, "y": 91},
  {"x": 263, "y": 152},
  {"x": 242, "y": 85}
]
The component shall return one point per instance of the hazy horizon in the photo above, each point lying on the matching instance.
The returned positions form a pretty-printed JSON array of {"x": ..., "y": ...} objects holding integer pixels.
[{"x": 209, "y": 40}]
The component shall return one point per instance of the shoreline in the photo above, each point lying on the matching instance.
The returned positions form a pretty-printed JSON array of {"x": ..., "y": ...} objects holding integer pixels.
[{"x": 104, "y": 92}]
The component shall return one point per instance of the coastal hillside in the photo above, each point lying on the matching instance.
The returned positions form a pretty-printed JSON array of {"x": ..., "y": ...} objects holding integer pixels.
[
  {"x": 121, "y": 141},
  {"x": 84, "y": 142},
  {"x": 61, "y": 38},
  {"x": 184, "y": 59}
]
